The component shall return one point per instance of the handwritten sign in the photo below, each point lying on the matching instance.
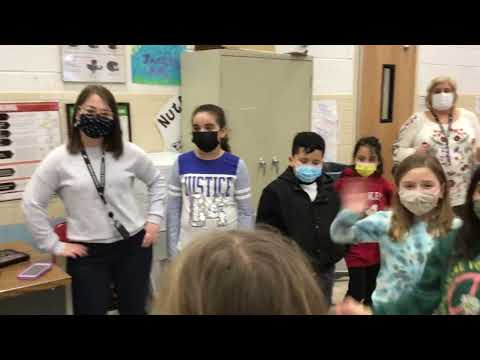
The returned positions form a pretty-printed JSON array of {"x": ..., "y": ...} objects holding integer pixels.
[
  {"x": 156, "y": 64},
  {"x": 168, "y": 123}
]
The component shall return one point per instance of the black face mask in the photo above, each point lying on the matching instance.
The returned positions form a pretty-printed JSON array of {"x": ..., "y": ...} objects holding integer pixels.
[
  {"x": 205, "y": 140},
  {"x": 95, "y": 126}
]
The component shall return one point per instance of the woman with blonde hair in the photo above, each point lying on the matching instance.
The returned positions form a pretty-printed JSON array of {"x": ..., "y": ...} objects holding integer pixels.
[
  {"x": 240, "y": 273},
  {"x": 448, "y": 132}
]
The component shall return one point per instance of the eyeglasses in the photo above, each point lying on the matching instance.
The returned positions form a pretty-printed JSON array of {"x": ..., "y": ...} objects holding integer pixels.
[{"x": 93, "y": 111}]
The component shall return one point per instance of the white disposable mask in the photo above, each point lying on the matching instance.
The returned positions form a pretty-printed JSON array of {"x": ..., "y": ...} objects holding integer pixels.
[
  {"x": 442, "y": 101},
  {"x": 418, "y": 202}
]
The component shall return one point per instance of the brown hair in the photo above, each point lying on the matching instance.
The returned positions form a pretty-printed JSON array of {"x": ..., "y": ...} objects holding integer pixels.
[
  {"x": 220, "y": 118},
  {"x": 434, "y": 83},
  {"x": 240, "y": 273},
  {"x": 113, "y": 142},
  {"x": 440, "y": 219}
]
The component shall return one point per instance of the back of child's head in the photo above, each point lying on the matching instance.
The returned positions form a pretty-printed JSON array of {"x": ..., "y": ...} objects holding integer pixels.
[
  {"x": 374, "y": 146},
  {"x": 240, "y": 273},
  {"x": 467, "y": 243},
  {"x": 440, "y": 218},
  {"x": 309, "y": 141}
]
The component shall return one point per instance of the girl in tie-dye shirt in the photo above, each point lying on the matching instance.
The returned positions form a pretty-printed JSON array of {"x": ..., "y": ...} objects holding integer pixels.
[{"x": 421, "y": 213}]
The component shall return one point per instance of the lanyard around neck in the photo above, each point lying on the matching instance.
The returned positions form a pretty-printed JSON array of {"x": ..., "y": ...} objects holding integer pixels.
[
  {"x": 99, "y": 185},
  {"x": 446, "y": 134}
]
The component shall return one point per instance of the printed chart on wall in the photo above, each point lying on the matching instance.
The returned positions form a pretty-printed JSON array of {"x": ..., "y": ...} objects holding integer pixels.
[
  {"x": 325, "y": 123},
  {"x": 94, "y": 63},
  {"x": 28, "y": 132},
  {"x": 123, "y": 114}
]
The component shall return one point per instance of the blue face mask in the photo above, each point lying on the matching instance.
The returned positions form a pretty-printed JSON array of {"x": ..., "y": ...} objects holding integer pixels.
[{"x": 308, "y": 174}]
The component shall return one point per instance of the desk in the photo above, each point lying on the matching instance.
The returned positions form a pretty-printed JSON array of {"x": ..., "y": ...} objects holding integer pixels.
[{"x": 45, "y": 295}]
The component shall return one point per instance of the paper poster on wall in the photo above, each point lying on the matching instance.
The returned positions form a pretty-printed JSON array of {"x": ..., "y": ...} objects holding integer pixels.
[
  {"x": 168, "y": 123},
  {"x": 325, "y": 123},
  {"x": 156, "y": 64},
  {"x": 94, "y": 63},
  {"x": 28, "y": 132},
  {"x": 123, "y": 114}
]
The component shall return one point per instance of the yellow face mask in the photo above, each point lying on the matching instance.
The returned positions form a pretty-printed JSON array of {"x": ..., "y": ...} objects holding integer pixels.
[{"x": 365, "y": 169}]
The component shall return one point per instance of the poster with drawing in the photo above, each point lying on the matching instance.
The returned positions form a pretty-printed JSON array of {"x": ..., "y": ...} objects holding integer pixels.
[
  {"x": 94, "y": 63},
  {"x": 325, "y": 123},
  {"x": 156, "y": 64},
  {"x": 28, "y": 132}
]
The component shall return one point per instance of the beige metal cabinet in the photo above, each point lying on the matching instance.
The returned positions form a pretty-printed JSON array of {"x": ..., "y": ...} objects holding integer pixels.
[{"x": 267, "y": 99}]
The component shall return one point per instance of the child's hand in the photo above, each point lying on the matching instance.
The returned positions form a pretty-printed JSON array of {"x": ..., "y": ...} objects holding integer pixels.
[
  {"x": 372, "y": 210},
  {"x": 355, "y": 197},
  {"x": 351, "y": 307}
]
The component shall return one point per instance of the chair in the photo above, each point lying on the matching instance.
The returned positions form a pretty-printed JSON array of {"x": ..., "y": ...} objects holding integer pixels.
[
  {"x": 334, "y": 169},
  {"x": 61, "y": 231}
]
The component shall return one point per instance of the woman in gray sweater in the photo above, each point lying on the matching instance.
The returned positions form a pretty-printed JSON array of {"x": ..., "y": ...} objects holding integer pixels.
[{"x": 109, "y": 241}]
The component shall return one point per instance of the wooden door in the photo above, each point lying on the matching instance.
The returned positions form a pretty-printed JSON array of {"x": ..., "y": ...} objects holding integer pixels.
[{"x": 386, "y": 94}]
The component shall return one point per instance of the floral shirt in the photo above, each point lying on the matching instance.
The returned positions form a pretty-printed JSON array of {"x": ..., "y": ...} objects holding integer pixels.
[{"x": 463, "y": 140}]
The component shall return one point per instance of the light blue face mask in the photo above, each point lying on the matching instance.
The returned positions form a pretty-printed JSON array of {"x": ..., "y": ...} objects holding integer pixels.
[{"x": 308, "y": 174}]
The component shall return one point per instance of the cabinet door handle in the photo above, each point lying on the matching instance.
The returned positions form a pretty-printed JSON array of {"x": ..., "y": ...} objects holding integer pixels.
[
  {"x": 262, "y": 164},
  {"x": 276, "y": 163}
]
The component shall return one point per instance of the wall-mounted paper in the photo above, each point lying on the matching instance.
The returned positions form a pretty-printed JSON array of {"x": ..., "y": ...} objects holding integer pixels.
[
  {"x": 325, "y": 123},
  {"x": 156, "y": 64},
  {"x": 94, "y": 63},
  {"x": 168, "y": 123},
  {"x": 28, "y": 132}
]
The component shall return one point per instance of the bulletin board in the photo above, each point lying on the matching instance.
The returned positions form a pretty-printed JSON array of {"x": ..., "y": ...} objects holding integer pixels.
[
  {"x": 28, "y": 132},
  {"x": 123, "y": 114}
]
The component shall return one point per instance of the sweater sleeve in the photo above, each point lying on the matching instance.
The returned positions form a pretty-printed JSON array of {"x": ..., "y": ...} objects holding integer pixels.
[
  {"x": 40, "y": 189},
  {"x": 404, "y": 145},
  {"x": 426, "y": 295},
  {"x": 347, "y": 228},
  {"x": 243, "y": 197},
  {"x": 146, "y": 171},
  {"x": 174, "y": 210}
]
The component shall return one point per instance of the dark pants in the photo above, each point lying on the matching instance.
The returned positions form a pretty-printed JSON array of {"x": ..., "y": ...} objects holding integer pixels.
[
  {"x": 458, "y": 210},
  {"x": 362, "y": 283},
  {"x": 125, "y": 264},
  {"x": 325, "y": 278}
]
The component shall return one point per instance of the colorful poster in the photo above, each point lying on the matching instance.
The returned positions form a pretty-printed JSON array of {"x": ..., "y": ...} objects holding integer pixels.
[
  {"x": 28, "y": 132},
  {"x": 94, "y": 63},
  {"x": 168, "y": 123},
  {"x": 156, "y": 64},
  {"x": 123, "y": 114}
]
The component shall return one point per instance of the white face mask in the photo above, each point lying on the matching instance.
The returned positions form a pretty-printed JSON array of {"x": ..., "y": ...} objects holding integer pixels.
[
  {"x": 418, "y": 202},
  {"x": 442, "y": 101}
]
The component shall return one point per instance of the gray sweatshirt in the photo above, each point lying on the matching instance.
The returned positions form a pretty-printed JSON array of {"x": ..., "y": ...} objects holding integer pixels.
[{"x": 67, "y": 176}]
